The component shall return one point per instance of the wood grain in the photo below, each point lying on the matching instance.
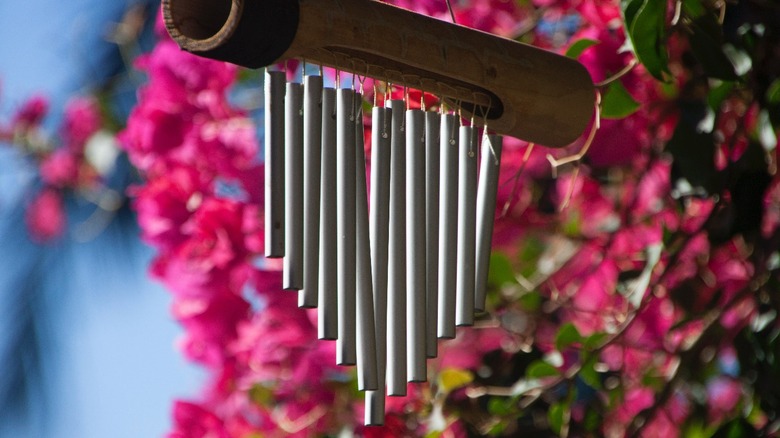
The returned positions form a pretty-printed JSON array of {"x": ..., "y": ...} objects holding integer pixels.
[{"x": 519, "y": 90}]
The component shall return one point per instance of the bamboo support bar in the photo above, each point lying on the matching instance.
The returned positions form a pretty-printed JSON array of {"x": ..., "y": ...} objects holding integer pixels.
[{"x": 520, "y": 90}]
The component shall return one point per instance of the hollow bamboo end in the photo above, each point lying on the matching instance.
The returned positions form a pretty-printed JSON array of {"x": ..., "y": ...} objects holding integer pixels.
[
  {"x": 201, "y": 25},
  {"x": 253, "y": 34}
]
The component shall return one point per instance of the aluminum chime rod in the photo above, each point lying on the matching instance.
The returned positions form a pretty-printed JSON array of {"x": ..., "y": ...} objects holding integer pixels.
[{"x": 391, "y": 280}]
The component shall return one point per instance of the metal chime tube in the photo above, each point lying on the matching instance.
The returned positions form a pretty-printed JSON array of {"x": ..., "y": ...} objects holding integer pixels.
[
  {"x": 415, "y": 247},
  {"x": 486, "y": 211},
  {"x": 467, "y": 201},
  {"x": 274, "y": 163},
  {"x": 293, "y": 187},
  {"x": 396, "y": 267},
  {"x": 312, "y": 162},
  {"x": 327, "y": 311},
  {"x": 448, "y": 225},
  {"x": 379, "y": 224},
  {"x": 432, "y": 171},
  {"x": 366, "y": 328},
  {"x": 346, "y": 353}
]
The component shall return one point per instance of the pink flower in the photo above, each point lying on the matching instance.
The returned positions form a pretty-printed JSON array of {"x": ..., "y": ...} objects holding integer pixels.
[
  {"x": 183, "y": 71},
  {"x": 165, "y": 204},
  {"x": 31, "y": 113},
  {"x": 635, "y": 400},
  {"x": 82, "y": 119},
  {"x": 210, "y": 325},
  {"x": 771, "y": 220},
  {"x": 60, "y": 169},
  {"x": 723, "y": 394},
  {"x": 45, "y": 216},
  {"x": 214, "y": 254},
  {"x": 195, "y": 421},
  {"x": 155, "y": 135}
]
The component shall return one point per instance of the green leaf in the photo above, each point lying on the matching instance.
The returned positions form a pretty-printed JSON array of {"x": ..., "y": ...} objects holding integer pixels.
[
  {"x": 630, "y": 9},
  {"x": 500, "y": 272},
  {"x": 433, "y": 434},
  {"x": 499, "y": 406},
  {"x": 693, "y": 147},
  {"x": 648, "y": 36},
  {"x": 530, "y": 252},
  {"x": 556, "y": 416},
  {"x": 773, "y": 93},
  {"x": 539, "y": 369},
  {"x": 718, "y": 94},
  {"x": 567, "y": 335},
  {"x": 594, "y": 341},
  {"x": 707, "y": 46},
  {"x": 451, "y": 379},
  {"x": 617, "y": 102},
  {"x": 261, "y": 395},
  {"x": 531, "y": 301},
  {"x": 575, "y": 50},
  {"x": 589, "y": 375}
]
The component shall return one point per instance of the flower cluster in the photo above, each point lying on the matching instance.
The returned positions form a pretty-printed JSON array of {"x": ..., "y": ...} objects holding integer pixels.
[
  {"x": 625, "y": 285},
  {"x": 69, "y": 162}
]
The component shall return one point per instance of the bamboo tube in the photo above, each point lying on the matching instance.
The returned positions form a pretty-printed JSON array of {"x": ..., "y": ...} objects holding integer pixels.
[
  {"x": 486, "y": 212},
  {"x": 346, "y": 353},
  {"x": 448, "y": 226},
  {"x": 467, "y": 198},
  {"x": 274, "y": 163},
  {"x": 312, "y": 163},
  {"x": 415, "y": 247},
  {"x": 396, "y": 267},
  {"x": 327, "y": 311},
  {"x": 293, "y": 188},
  {"x": 524, "y": 91}
]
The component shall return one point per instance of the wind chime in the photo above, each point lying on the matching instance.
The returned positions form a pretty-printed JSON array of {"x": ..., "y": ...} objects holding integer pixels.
[{"x": 389, "y": 282}]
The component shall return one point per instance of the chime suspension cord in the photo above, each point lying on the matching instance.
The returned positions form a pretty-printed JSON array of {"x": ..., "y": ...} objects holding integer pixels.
[{"x": 449, "y": 8}]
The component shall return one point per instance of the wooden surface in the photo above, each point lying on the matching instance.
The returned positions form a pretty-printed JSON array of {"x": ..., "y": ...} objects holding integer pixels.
[{"x": 520, "y": 90}]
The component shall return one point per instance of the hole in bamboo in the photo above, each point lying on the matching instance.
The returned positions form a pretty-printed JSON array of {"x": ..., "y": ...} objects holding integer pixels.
[{"x": 200, "y": 19}]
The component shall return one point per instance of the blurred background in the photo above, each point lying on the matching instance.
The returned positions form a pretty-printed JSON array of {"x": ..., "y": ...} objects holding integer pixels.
[{"x": 87, "y": 346}]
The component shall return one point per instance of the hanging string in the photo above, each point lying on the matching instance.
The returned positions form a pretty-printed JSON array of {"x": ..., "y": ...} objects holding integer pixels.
[
  {"x": 452, "y": 14},
  {"x": 485, "y": 133}
]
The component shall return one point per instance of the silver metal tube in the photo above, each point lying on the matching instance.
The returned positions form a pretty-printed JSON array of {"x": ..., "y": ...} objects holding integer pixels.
[
  {"x": 368, "y": 376},
  {"x": 432, "y": 171},
  {"x": 346, "y": 353},
  {"x": 274, "y": 163},
  {"x": 312, "y": 162},
  {"x": 415, "y": 247},
  {"x": 467, "y": 204},
  {"x": 328, "y": 283},
  {"x": 379, "y": 223},
  {"x": 293, "y": 188},
  {"x": 396, "y": 267},
  {"x": 486, "y": 213},
  {"x": 448, "y": 225}
]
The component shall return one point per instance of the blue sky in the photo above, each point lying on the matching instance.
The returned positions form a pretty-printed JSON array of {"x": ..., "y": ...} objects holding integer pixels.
[{"x": 113, "y": 369}]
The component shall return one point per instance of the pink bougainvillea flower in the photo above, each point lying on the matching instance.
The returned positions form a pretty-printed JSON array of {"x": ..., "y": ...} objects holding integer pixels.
[
  {"x": 194, "y": 421},
  {"x": 45, "y": 216},
  {"x": 165, "y": 204},
  {"x": 31, "y": 113},
  {"x": 61, "y": 168},
  {"x": 723, "y": 395},
  {"x": 82, "y": 120}
]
